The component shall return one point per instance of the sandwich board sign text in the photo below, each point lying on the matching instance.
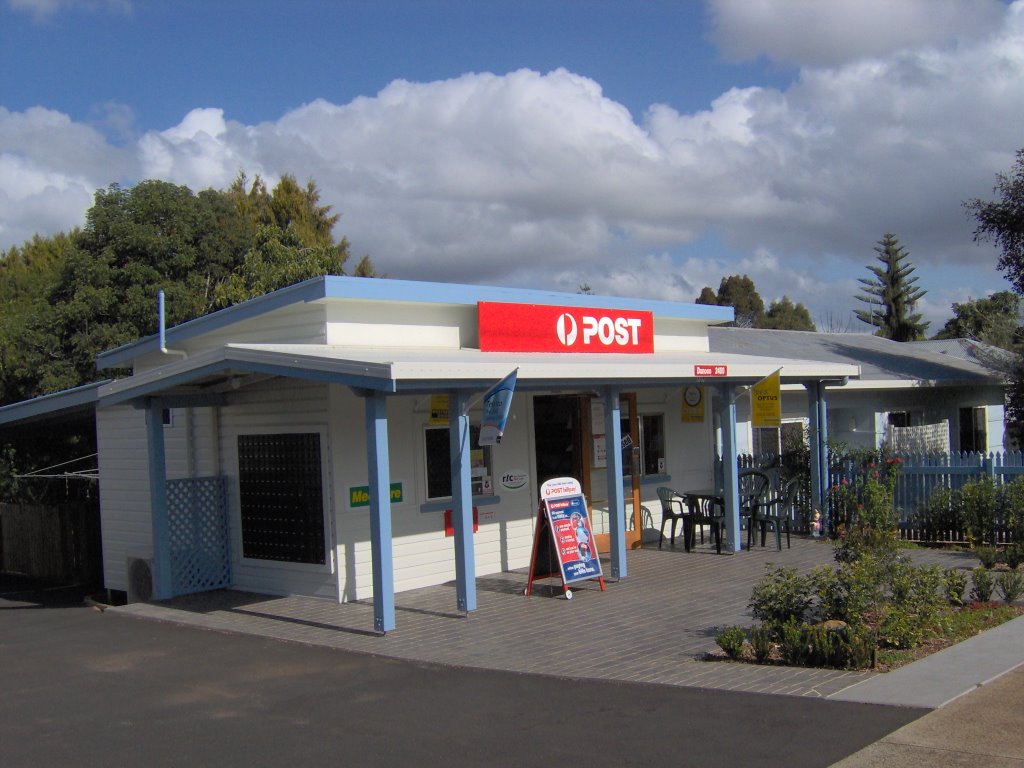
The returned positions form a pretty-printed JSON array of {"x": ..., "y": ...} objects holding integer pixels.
[{"x": 563, "y": 537}]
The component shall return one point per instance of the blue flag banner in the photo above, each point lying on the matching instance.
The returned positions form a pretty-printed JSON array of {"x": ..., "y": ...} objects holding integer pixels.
[{"x": 497, "y": 402}]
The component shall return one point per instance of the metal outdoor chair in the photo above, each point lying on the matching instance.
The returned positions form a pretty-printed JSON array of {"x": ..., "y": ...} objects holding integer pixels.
[
  {"x": 778, "y": 512},
  {"x": 754, "y": 487},
  {"x": 672, "y": 510}
]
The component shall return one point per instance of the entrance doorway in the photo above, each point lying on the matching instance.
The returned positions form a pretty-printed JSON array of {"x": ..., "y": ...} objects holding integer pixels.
[
  {"x": 566, "y": 437},
  {"x": 559, "y": 439}
]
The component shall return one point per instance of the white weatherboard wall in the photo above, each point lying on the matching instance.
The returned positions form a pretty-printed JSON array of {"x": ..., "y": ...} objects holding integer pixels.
[
  {"x": 124, "y": 488},
  {"x": 423, "y": 555}
]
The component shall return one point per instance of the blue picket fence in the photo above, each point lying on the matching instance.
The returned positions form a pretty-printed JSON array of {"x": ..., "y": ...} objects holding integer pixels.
[{"x": 920, "y": 475}]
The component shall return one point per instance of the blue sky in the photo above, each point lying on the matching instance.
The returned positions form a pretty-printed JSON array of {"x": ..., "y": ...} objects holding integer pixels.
[{"x": 643, "y": 148}]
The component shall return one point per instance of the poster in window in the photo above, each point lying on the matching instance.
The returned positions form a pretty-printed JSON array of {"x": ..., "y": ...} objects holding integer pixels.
[{"x": 600, "y": 454}]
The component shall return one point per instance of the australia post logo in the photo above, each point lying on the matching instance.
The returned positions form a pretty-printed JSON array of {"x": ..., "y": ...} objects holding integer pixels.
[{"x": 542, "y": 328}]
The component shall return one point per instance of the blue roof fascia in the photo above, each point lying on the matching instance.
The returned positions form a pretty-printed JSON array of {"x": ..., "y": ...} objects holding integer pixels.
[
  {"x": 75, "y": 399},
  {"x": 458, "y": 293},
  {"x": 385, "y": 289},
  {"x": 156, "y": 387},
  {"x": 309, "y": 290}
]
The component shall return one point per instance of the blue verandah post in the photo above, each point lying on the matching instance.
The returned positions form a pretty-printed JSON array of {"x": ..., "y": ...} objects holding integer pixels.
[
  {"x": 727, "y": 410},
  {"x": 616, "y": 497},
  {"x": 378, "y": 463},
  {"x": 813, "y": 436},
  {"x": 823, "y": 460},
  {"x": 462, "y": 501}
]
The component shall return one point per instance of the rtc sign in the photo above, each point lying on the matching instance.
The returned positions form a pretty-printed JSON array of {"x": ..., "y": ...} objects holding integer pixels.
[{"x": 542, "y": 328}]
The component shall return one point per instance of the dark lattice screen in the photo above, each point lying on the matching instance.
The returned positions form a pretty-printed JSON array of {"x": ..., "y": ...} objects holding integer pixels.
[{"x": 281, "y": 494}]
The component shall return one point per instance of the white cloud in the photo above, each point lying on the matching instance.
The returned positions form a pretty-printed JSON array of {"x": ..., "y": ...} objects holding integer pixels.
[
  {"x": 539, "y": 179},
  {"x": 44, "y": 10},
  {"x": 49, "y": 169},
  {"x": 819, "y": 33}
]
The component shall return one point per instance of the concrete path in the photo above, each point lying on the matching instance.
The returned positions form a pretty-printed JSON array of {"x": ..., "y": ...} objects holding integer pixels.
[
  {"x": 983, "y": 728},
  {"x": 943, "y": 677}
]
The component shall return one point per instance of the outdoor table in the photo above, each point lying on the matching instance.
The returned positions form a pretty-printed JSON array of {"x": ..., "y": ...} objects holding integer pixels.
[{"x": 696, "y": 501}]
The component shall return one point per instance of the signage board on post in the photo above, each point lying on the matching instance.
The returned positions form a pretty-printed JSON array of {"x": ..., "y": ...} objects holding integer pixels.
[{"x": 563, "y": 542}]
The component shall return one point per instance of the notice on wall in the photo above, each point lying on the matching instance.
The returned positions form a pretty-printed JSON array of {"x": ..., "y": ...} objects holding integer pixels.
[
  {"x": 439, "y": 409},
  {"x": 600, "y": 453},
  {"x": 693, "y": 405}
]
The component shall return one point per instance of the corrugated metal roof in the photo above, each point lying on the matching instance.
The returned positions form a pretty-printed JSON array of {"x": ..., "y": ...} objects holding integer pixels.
[
  {"x": 78, "y": 399},
  {"x": 879, "y": 359}
]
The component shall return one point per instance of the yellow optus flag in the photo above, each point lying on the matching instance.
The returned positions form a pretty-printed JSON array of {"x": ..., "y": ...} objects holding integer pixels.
[{"x": 766, "y": 402}]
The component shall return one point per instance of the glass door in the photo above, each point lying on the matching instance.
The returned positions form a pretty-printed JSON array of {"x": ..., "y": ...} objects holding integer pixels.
[{"x": 598, "y": 471}]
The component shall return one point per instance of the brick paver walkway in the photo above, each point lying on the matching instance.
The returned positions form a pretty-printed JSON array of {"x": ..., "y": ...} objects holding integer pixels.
[{"x": 650, "y": 627}]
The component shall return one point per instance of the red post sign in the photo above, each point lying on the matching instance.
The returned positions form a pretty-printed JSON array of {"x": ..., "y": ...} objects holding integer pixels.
[{"x": 542, "y": 328}]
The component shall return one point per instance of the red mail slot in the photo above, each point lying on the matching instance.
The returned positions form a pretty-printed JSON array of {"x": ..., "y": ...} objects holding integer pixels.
[{"x": 449, "y": 529}]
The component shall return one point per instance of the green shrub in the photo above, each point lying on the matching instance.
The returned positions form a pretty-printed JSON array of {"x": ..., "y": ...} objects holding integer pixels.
[
  {"x": 855, "y": 590},
  {"x": 900, "y": 628},
  {"x": 926, "y": 601},
  {"x": 1010, "y": 585},
  {"x": 979, "y": 503},
  {"x": 939, "y": 515},
  {"x": 955, "y": 585},
  {"x": 730, "y": 640},
  {"x": 792, "y": 644},
  {"x": 981, "y": 592},
  {"x": 782, "y": 595},
  {"x": 1013, "y": 555},
  {"x": 820, "y": 643},
  {"x": 761, "y": 640},
  {"x": 1013, "y": 506},
  {"x": 861, "y": 644},
  {"x": 988, "y": 556}
]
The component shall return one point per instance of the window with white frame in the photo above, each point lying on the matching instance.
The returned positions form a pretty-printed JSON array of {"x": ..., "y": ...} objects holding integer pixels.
[
  {"x": 438, "y": 463},
  {"x": 772, "y": 441}
]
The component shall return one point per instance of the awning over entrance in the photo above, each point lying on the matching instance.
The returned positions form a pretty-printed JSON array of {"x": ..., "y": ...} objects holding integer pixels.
[{"x": 428, "y": 370}]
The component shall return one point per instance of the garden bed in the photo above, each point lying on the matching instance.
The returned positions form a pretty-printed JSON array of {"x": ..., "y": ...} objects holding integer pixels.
[{"x": 958, "y": 625}]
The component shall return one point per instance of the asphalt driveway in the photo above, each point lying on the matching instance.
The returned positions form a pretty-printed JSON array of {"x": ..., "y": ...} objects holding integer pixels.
[{"x": 89, "y": 688}]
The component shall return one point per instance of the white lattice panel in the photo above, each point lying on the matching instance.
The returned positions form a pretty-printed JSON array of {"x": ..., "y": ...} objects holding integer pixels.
[{"x": 197, "y": 517}]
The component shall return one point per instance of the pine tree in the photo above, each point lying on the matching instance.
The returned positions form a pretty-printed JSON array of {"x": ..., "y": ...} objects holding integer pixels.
[{"x": 891, "y": 295}]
